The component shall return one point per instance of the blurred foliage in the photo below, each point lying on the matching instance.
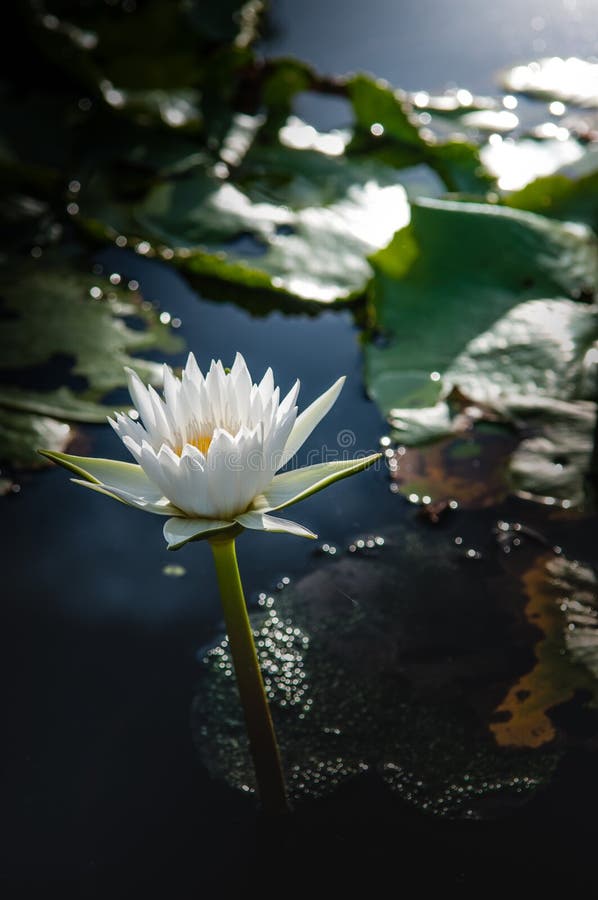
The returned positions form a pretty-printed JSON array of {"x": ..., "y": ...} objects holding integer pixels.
[
  {"x": 171, "y": 125},
  {"x": 159, "y": 126},
  {"x": 570, "y": 195},
  {"x": 295, "y": 221}
]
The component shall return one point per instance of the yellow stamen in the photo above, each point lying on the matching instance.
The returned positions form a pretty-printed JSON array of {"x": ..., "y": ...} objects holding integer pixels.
[{"x": 202, "y": 442}]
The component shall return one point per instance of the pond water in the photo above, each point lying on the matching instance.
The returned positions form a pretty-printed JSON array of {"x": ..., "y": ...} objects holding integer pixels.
[{"x": 114, "y": 786}]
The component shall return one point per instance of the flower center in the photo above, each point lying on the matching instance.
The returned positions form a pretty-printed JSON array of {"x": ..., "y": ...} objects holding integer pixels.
[{"x": 200, "y": 441}]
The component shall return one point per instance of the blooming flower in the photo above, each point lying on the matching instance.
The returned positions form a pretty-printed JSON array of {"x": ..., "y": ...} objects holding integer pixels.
[{"x": 208, "y": 453}]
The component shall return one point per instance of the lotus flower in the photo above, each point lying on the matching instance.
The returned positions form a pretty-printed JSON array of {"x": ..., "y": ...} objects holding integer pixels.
[{"x": 207, "y": 454}]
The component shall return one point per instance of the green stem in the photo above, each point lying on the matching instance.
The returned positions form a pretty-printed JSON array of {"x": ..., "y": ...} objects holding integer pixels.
[{"x": 262, "y": 739}]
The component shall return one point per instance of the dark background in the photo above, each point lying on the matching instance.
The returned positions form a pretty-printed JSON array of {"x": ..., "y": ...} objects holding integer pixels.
[{"x": 102, "y": 794}]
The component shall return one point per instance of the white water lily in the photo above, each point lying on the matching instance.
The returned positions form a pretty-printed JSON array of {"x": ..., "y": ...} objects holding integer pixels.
[{"x": 207, "y": 453}]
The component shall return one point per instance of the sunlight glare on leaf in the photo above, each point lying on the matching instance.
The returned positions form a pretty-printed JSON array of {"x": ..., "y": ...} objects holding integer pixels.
[
  {"x": 300, "y": 136},
  {"x": 516, "y": 163}
]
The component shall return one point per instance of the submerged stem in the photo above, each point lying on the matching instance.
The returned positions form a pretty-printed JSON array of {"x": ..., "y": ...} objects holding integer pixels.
[{"x": 262, "y": 738}]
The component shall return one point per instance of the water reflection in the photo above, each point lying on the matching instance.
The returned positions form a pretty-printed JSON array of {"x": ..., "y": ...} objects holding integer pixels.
[{"x": 570, "y": 80}]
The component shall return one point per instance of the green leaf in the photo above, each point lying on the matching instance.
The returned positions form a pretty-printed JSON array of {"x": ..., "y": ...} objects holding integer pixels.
[
  {"x": 562, "y": 197},
  {"x": 450, "y": 295},
  {"x": 375, "y": 101},
  {"x": 284, "y": 79},
  {"x": 402, "y": 142},
  {"x": 457, "y": 257},
  {"x": 296, "y": 221},
  {"x": 51, "y": 312},
  {"x": 545, "y": 343},
  {"x": 60, "y": 403},
  {"x": 534, "y": 368},
  {"x": 22, "y": 433},
  {"x": 52, "y": 323}
]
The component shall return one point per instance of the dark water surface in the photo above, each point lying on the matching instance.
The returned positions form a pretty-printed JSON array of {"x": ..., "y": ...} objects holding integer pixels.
[{"x": 102, "y": 792}]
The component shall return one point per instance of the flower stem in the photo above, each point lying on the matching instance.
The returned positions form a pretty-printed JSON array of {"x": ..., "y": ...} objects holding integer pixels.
[{"x": 262, "y": 738}]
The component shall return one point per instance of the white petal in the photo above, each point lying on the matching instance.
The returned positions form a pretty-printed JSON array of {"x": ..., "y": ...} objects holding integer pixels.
[
  {"x": 224, "y": 472},
  {"x": 309, "y": 418},
  {"x": 179, "y": 530},
  {"x": 132, "y": 446},
  {"x": 141, "y": 400},
  {"x": 172, "y": 390},
  {"x": 192, "y": 372},
  {"x": 274, "y": 445},
  {"x": 198, "y": 458},
  {"x": 124, "y": 426},
  {"x": 289, "y": 487},
  {"x": 270, "y": 410},
  {"x": 266, "y": 385},
  {"x": 214, "y": 383},
  {"x": 161, "y": 470},
  {"x": 160, "y": 509},
  {"x": 253, "y": 467},
  {"x": 111, "y": 473},
  {"x": 239, "y": 370},
  {"x": 262, "y": 522},
  {"x": 162, "y": 428},
  {"x": 289, "y": 400},
  {"x": 256, "y": 407},
  {"x": 193, "y": 485},
  {"x": 195, "y": 404}
]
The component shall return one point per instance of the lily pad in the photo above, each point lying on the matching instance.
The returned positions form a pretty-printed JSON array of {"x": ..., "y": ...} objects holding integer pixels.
[
  {"x": 60, "y": 311},
  {"x": 296, "y": 221},
  {"x": 534, "y": 370},
  {"x": 440, "y": 474},
  {"x": 386, "y": 129},
  {"x": 60, "y": 403},
  {"x": 457, "y": 257},
  {"x": 529, "y": 363},
  {"x": 22, "y": 433},
  {"x": 566, "y": 195},
  {"x": 577, "y": 589},
  {"x": 561, "y": 593},
  {"x": 62, "y": 324},
  {"x": 285, "y": 208},
  {"x": 369, "y": 667}
]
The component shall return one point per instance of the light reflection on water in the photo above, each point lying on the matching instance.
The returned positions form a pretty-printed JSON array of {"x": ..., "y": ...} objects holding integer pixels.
[{"x": 429, "y": 45}]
